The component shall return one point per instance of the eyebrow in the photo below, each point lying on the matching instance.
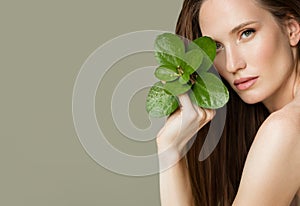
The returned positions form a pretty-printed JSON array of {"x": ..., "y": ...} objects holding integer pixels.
[{"x": 237, "y": 28}]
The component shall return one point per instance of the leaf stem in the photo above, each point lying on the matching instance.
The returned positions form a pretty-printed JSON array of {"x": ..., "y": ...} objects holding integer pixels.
[{"x": 180, "y": 70}]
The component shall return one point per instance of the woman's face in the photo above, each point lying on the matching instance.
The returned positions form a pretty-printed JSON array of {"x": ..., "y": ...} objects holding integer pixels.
[{"x": 253, "y": 52}]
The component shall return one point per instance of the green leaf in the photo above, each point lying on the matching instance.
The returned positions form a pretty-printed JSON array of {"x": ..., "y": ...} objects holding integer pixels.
[
  {"x": 208, "y": 48},
  {"x": 169, "y": 49},
  {"x": 166, "y": 73},
  {"x": 184, "y": 79},
  {"x": 176, "y": 88},
  {"x": 167, "y": 59},
  {"x": 159, "y": 102},
  {"x": 207, "y": 45},
  {"x": 184, "y": 72},
  {"x": 194, "y": 58},
  {"x": 209, "y": 92},
  {"x": 187, "y": 70}
]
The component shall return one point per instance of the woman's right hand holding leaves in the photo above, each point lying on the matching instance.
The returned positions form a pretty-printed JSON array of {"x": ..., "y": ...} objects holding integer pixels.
[{"x": 181, "y": 126}]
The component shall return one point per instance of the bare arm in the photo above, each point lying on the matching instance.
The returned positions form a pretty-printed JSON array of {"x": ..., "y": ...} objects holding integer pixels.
[{"x": 175, "y": 188}]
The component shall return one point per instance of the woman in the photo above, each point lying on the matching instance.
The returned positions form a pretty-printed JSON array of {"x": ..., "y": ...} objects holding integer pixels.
[{"x": 257, "y": 161}]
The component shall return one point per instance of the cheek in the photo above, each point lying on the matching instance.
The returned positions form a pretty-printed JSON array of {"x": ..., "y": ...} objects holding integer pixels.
[
  {"x": 262, "y": 51},
  {"x": 269, "y": 48}
]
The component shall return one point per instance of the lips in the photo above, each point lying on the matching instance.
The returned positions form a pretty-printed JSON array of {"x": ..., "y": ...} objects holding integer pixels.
[{"x": 244, "y": 83}]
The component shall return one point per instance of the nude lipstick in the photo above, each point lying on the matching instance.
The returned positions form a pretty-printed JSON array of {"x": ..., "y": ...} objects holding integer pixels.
[{"x": 244, "y": 83}]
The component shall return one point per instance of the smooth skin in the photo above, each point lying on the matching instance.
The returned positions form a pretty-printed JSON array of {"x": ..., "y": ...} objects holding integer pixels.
[
  {"x": 180, "y": 127},
  {"x": 250, "y": 43}
]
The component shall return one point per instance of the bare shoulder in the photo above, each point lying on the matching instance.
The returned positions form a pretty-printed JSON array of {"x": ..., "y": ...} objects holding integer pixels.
[
  {"x": 271, "y": 175},
  {"x": 282, "y": 126}
]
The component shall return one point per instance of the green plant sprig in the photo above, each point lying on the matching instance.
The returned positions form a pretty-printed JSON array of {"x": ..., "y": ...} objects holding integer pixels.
[{"x": 184, "y": 69}]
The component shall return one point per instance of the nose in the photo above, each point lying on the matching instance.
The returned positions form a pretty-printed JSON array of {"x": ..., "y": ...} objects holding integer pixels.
[{"x": 234, "y": 59}]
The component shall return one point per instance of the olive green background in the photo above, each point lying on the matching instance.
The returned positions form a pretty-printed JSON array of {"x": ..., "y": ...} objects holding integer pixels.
[{"x": 43, "y": 46}]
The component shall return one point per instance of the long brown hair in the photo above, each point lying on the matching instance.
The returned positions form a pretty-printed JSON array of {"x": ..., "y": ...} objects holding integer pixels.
[{"x": 215, "y": 180}]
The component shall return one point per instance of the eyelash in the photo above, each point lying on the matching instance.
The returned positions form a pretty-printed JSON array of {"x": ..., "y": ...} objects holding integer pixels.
[
  {"x": 218, "y": 46},
  {"x": 251, "y": 31},
  {"x": 247, "y": 31}
]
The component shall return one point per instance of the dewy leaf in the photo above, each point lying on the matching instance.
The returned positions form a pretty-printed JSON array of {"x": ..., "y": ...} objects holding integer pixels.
[
  {"x": 209, "y": 92},
  {"x": 166, "y": 73},
  {"x": 208, "y": 48},
  {"x": 176, "y": 87},
  {"x": 184, "y": 72},
  {"x": 159, "y": 102},
  {"x": 169, "y": 49}
]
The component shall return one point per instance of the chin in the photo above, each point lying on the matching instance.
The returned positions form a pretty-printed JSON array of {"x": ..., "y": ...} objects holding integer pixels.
[{"x": 251, "y": 99}]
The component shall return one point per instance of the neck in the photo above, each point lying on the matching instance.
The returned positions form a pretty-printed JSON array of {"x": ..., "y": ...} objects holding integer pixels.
[{"x": 285, "y": 93}]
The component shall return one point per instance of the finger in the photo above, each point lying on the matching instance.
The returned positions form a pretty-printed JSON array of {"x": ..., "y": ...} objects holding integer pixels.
[
  {"x": 205, "y": 115},
  {"x": 210, "y": 113},
  {"x": 200, "y": 112},
  {"x": 185, "y": 102}
]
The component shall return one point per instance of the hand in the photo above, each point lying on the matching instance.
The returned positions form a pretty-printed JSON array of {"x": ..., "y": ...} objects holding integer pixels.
[{"x": 182, "y": 125}]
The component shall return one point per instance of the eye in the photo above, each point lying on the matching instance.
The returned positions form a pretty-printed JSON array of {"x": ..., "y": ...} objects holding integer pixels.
[
  {"x": 219, "y": 46},
  {"x": 247, "y": 33}
]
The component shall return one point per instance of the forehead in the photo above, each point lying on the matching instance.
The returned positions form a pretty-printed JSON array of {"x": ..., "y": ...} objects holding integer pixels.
[{"x": 223, "y": 15}]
